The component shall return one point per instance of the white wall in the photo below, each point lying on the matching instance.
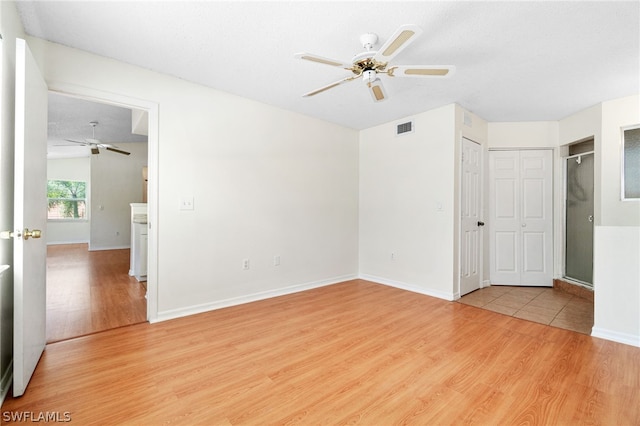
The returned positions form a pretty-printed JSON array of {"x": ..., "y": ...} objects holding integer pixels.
[
  {"x": 116, "y": 181},
  {"x": 265, "y": 182},
  {"x": 617, "y": 234},
  {"x": 581, "y": 125},
  {"x": 407, "y": 200},
  {"x": 530, "y": 134},
  {"x": 616, "y": 276},
  {"x": 617, "y": 114},
  {"x": 75, "y": 169}
]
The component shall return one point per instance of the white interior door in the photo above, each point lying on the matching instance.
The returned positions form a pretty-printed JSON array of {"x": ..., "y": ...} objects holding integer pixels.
[
  {"x": 521, "y": 247},
  {"x": 536, "y": 180},
  {"x": 471, "y": 221},
  {"x": 504, "y": 213},
  {"x": 30, "y": 213}
]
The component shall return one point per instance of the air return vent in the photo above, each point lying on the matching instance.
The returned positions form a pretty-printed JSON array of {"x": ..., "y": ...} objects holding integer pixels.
[{"x": 404, "y": 128}]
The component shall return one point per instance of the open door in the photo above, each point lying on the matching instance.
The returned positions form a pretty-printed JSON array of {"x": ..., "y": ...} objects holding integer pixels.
[{"x": 30, "y": 218}]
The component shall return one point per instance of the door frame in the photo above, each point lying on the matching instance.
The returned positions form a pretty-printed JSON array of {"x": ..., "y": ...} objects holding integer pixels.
[
  {"x": 482, "y": 234},
  {"x": 563, "y": 258},
  {"x": 151, "y": 108}
]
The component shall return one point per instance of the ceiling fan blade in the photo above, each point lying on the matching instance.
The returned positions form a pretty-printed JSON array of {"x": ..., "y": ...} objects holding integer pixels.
[
  {"x": 398, "y": 41},
  {"x": 377, "y": 91},
  {"x": 78, "y": 142},
  {"x": 119, "y": 151},
  {"x": 330, "y": 86},
  {"x": 322, "y": 60},
  {"x": 421, "y": 71}
]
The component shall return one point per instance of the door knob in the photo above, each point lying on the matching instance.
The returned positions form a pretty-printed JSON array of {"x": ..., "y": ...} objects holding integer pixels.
[
  {"x": 590, "y": 218},
  {"x": 480, "y": 223},
  {"x": 7, "y": 235},
  {"x": 35, "y": 233}
]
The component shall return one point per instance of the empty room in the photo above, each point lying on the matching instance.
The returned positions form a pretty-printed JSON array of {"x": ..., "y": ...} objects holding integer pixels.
[{"x": 327, "y": 212}]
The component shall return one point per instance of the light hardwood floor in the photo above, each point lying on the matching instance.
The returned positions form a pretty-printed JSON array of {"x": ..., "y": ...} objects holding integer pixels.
[
  {"x": 90, "y": 291},
  {"x": 355, "y": 352}
]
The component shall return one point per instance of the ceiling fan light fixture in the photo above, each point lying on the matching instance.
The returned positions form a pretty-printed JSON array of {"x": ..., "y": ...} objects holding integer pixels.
[{"x": 369, "y": 76}]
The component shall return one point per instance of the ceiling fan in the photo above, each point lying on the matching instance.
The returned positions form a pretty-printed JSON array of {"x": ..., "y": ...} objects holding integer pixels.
[
  {"x": 95, "y": 144},
  {"x": 370, "y": 63}
]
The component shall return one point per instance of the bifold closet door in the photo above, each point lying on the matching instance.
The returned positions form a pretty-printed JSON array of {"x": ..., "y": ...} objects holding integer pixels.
[{"x": 521, "y": 212}]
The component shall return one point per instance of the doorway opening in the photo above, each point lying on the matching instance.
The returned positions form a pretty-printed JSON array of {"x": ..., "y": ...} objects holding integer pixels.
[{"x": 104, "y": 147}]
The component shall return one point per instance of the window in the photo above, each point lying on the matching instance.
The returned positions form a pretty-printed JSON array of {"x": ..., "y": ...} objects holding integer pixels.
[
  {"x": 631, "y": 163},
  {"x": 67, "y": 200}
]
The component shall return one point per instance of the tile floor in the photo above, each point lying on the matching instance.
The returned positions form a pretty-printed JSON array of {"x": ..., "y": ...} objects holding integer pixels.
[{"x": 544, "y": 305}]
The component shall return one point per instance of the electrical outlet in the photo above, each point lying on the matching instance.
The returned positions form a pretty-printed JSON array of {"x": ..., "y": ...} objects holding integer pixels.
[
  {"x": 276, "y": 260},
  {"x": 393, "y": 256},
  {"x": 245, "y": 264}
]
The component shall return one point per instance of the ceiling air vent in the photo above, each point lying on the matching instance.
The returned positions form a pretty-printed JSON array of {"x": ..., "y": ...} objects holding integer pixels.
[{"x": 404, "y": 128}]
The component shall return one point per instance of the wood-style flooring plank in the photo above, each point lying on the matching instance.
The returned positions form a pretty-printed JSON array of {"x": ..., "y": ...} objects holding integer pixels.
[{"x": 350, "y": 353}]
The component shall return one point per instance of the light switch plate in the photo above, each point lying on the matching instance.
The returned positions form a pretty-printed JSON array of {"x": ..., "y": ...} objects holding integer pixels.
[{"x": 186, "y": 203}]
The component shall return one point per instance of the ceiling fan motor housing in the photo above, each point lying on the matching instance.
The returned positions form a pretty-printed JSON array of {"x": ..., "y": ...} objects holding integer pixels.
[{"x": 368, "y": 40}]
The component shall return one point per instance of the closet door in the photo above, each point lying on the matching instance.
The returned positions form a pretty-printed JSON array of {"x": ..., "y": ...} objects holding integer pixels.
[{"x": 521, "y": 209}]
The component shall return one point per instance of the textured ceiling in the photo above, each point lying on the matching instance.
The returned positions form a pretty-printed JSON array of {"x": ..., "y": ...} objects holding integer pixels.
[
  {"x": 69, "y": 118},
  {"x": 515, "y": 61}
]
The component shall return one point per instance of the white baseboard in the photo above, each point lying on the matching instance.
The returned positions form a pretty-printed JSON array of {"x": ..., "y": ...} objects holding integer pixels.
[
  {"x": 5, "y": 382},
  {"x": 485, "y": 283},
  {"x": 614, "y": 336},
  {"x": 410, "y": 287},
  {"x": 100, "y": 248},
  {"x": 59, "y": 243},
  {"x": 206, "y": 307}
]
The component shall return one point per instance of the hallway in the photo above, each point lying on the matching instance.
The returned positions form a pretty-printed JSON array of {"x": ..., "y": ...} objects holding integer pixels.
[
  {"x": 544, "y": 305},
  {"x": 90, "y": 291}
]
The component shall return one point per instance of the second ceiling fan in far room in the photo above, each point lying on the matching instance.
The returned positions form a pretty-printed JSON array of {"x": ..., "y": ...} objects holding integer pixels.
[{"x": 96, "y": 144}]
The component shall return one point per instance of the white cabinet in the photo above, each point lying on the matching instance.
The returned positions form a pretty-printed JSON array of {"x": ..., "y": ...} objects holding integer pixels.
[{"x": 139, "y": 236}]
